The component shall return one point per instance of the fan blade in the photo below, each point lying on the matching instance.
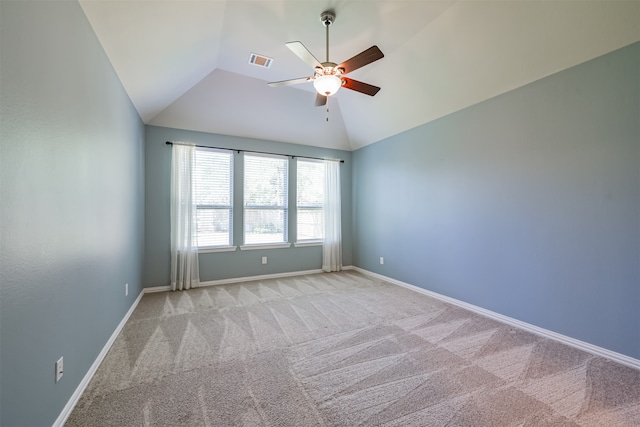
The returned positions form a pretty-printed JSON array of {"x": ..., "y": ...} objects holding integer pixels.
[
  {"x": 360, "y": 60},
  {"x": 304, "y": 54},
  {"x": 365, "y": 88},
  {"x": 320, "y": 100},
  {"x": 289, "y": 82}
]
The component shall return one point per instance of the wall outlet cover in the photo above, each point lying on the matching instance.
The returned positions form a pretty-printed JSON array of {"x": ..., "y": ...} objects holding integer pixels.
[{"x": 59, "y": 369}]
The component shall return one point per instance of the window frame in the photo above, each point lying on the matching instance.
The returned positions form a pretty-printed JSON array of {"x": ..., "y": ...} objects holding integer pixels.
[
  {"x": 230, "y": 207},
  {"x": 247, "y": 207},
  {"x": 313, "y": 241}
]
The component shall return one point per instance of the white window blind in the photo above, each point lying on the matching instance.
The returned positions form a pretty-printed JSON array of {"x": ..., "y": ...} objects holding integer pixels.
[
  {"x": 310, "y": 199},
  {"x": 265, "y": 199},
  {"x": 213, "y": 190}
]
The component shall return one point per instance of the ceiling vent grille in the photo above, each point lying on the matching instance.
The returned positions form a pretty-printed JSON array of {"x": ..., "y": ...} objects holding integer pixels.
[{"x": 260, "y": 60}]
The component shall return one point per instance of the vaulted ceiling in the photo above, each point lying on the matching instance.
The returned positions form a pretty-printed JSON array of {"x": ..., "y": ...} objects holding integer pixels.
[{"x": 185, "y": 63}]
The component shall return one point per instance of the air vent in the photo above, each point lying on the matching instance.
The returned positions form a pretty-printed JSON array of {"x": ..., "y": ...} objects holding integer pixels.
[{"x": 260, "y": 61}]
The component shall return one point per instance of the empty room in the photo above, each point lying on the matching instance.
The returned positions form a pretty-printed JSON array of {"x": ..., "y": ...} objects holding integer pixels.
[{"x": 319, "y": 213}]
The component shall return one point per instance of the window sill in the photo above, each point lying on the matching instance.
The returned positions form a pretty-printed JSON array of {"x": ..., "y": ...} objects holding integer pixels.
[
  {"x": 308, "y": 243},
  {"x": 264, "y": 246},
  {"x": 217, "y": 249}
]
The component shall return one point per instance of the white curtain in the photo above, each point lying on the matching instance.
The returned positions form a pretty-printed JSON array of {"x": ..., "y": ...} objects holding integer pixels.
[
  {"x": 184, "y": 240},
  {"x": 332, "y": 247}
]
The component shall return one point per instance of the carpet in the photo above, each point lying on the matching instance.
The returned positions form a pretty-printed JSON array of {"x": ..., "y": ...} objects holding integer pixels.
[{"x": 343, "y": 349}]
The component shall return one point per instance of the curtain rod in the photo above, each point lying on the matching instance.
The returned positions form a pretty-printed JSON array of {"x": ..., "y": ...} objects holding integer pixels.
[{"x": 258, "y": 152}]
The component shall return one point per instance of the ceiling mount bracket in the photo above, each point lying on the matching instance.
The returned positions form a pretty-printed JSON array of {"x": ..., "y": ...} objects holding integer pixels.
[{"x": 327, "y": 17}]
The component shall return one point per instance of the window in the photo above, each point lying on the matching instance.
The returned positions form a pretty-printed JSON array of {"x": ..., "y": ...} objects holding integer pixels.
[
  {"x": 310, "y": 199},
  {"x": 265, "y": 199},
  {"x": 213, "y": 190}
]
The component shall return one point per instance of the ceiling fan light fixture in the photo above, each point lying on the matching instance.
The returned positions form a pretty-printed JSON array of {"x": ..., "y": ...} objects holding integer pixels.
[{"x": 327, "y": 85}]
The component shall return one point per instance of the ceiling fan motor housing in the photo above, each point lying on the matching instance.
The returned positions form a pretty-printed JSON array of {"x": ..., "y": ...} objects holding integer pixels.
[{"x": 329, "y": 68}]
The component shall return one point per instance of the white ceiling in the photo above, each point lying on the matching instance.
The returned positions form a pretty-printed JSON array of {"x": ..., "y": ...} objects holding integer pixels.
[{"x": 184, "y": 63}]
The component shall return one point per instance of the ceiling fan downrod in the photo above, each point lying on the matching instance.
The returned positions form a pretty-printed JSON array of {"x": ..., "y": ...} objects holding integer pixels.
[{"x": 327, "y": 17}]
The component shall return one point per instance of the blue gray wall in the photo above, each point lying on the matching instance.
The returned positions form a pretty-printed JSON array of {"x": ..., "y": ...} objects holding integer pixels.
[
  {"x": 71, "y": 217},
  {"x": 526, "y": 204},
  {"x": 224, "y": 265}
]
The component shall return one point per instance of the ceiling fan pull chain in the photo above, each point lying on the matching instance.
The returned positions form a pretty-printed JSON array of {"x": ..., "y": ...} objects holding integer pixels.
[{"x": 327, "y": 107}]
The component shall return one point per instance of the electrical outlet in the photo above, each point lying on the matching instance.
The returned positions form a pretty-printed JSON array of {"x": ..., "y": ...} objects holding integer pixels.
[
  {"x": 59, "y": 369},
  {"x": 264, "y": 260},
  {"x": 381, "y": 260},
  {"x": 126, "y": 289}
]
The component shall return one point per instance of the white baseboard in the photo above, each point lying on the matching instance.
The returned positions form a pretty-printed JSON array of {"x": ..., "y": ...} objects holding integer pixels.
[
  {"x": 155, "y": 289},
  {"x": 66, "y": 411},
  {"x": 585, "y": 346},
  {"x": 241, "y": 279},
  {"x": 261, "y": 277}
]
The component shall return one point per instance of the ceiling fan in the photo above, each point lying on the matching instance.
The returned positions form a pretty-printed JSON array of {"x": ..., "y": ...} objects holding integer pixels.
[{"x": 328, "y": 76}]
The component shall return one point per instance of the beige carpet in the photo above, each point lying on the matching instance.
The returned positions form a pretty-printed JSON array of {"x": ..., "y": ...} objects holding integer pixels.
[{"x": 343, "y": 349}]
